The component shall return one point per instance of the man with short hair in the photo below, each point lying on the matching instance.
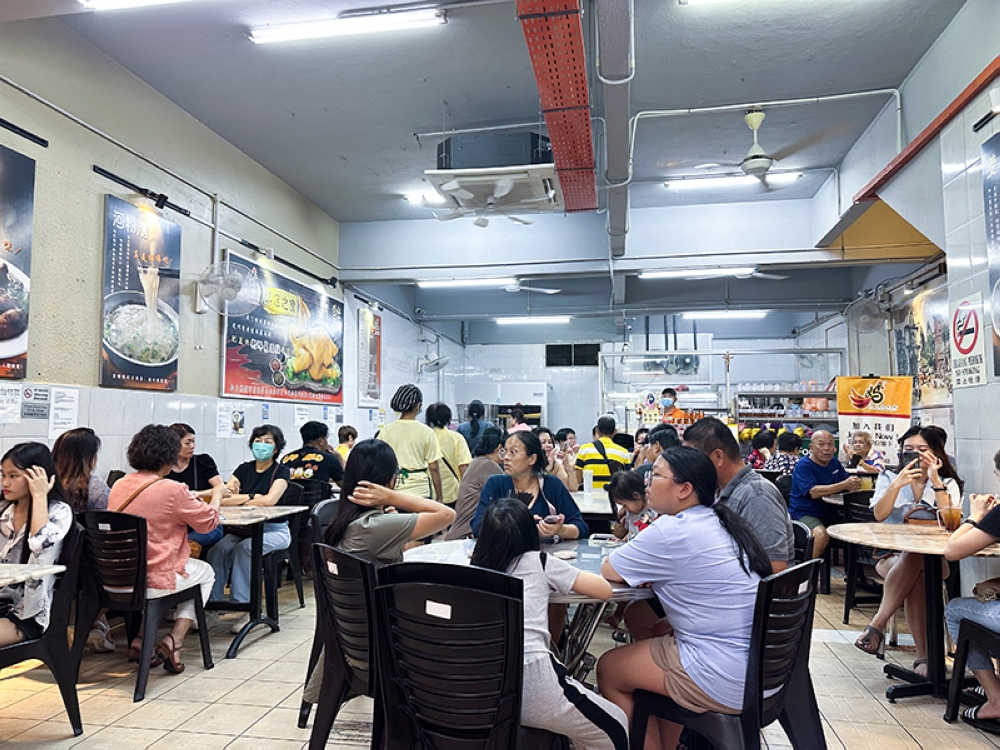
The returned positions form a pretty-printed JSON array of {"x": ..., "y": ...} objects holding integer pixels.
[
  {"x": 661, "y": 437},
  {"x": 744, "y": 491},
  {"x": 604, "y": 457},
  {"x": 668, "y": 402},
  {"x": 816, "y": 476},
  {"x": 314, "y": 461}
]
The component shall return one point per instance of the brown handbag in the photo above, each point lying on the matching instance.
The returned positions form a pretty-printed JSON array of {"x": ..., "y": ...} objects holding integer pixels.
[
  {"x": 987, "y": 591},
  {"x": 921, "y": 514}
]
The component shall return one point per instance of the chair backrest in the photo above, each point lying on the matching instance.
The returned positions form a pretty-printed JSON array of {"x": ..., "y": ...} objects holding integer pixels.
[
  {"x": 856, "y": 507},
  {"x": 116, "y": 548},
  {"x": 779, "y": 641},
  {"x": 784, "y": 485},
  {"x": 113, "y": 476},
  {"x": 803, "y": 541},
  {"x": 320, "y": 517},
  {"x": 292, "y": 495},
  {"x": 450, "y": 655},
  {"x": 771, "y": 476},
  {"x": 67, "y": 584},
  {"x": 347, "y": 613},
  {"x": 313, "y": 490}
]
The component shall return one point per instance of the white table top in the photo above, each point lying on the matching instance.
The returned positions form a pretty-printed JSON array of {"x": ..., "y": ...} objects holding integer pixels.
[
  {"x": 588, "y": 558},
  {"x": 902, "y": 537},
  {"x": 248, "y": 515},
  {"x": 594, "y": 503},
  {"x": 11, "y": 573}
]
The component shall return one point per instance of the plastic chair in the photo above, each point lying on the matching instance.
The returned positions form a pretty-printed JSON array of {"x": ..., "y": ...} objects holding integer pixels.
[
  {"x": 771, "y": 476},
  {"x": 778, "y": 686},
  {"x": 784, "y": 485},
  {"x": 344, "y": 586},
  {"x": 969, "y": 632},
  {"x": 857, "y": 510},
  {"x": 319, "y": 518},
  {"x": 116, "y": 548},
  {"x": 803, "y": 542},
  {"x": 450, "y": 656},
  {"x": 274, "y": 560},
  {"x": 52, "y": 648}
]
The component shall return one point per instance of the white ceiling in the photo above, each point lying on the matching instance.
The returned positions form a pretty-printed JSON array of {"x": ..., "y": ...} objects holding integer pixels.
[{"x": 335, "y": 118}]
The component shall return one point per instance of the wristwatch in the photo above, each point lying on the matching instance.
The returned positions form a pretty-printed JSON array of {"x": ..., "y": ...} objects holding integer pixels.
[
  {"x": 940, "y": 489},
  {"x": 556, "y": 539}
]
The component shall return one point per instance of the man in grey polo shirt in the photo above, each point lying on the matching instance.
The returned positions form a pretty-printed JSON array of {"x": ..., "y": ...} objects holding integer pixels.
[{"x": 746, "y": 492}]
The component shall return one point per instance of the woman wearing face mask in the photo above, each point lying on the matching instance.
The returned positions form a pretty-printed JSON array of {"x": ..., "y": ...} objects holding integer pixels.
[
  {"x": 260, "y": 482},
  {"x": 668, "y": 401}
]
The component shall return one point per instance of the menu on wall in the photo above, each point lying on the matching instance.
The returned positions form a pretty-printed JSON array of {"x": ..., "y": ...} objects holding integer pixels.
[
  {"x": 369, "y": 357},
  {"x": 17, "y": 203},
  {"x": 141, "y": 323},
  {"x": 289, "y": 348},
  {"x": 991, "y": 199},
  {"x": 879, "y": 406}
]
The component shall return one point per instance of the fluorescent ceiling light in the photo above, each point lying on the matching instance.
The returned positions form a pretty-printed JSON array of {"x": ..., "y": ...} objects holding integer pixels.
[
  {"x": 363, "y": 24},
  {"x": 533, "y": 319},
  {"x": 697, "y": 273},
  {"x": 419, "y": 198},
  {"x": 120, "y": 4},
  {"x": 456, "y": 283},
  {"x": 706, "y": 183},
  {"x": 727, "y": 314}
]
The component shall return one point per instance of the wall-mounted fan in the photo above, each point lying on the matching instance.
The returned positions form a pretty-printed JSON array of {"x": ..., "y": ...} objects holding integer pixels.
[
  {"x": 432, "y": 364},
  {"x": 865, "y": 315},
  {"x": 230, "y": 289},
  {"x": 683, "y": 364}
]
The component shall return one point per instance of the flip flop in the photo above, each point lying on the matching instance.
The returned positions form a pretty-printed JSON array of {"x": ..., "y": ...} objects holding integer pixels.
[
  {"x": 922, "y": 662},
  {"x": 976, "y": 693},
  {"x": 872, "y": 641},
  {"x": 971, "y": 716}
]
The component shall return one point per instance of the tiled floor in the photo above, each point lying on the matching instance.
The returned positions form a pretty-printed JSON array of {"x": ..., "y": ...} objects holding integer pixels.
[{"x": 253, "y": 701}]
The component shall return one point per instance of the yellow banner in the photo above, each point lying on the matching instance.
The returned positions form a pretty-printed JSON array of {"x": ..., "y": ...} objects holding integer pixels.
[
  {"x": 889, "y": 397},
  {"x": 280, "y": 302}
]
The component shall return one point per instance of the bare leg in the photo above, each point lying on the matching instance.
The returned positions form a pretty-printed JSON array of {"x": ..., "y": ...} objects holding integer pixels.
[
  {"x": 991, "y": 684},
  {"x": 916, "y": 614},
  {"x": 622, "y": 671},
  {"x": 9, "y": 632},
  {"x": 900, "y": 576},
  {"x": 639, "y": 619},
  {"x": 820, "y": 541},
  {"x": 557, "y": 621}
]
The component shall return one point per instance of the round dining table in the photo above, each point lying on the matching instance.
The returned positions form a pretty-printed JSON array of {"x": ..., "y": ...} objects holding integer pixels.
[
  {"x": 928, "y": 541},
  {"x": 585, "y": 555}
]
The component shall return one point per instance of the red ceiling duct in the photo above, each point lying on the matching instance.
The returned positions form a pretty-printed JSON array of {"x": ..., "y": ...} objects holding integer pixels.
[{"x": 554, "y": 33}]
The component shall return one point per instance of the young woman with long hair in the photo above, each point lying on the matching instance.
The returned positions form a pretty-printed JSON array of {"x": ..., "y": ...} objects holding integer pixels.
[
  {"x": 75, "y": 455},
  {"x": 704, "y": 564},
  {"x": 34, "y": 520},
  {"x": 551, "y": 699}
]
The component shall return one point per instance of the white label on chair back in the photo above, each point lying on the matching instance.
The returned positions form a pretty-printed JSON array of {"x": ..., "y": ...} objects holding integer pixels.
[
  {"x": 332, "y": 567},
  {"x": 803, "y": 587},
  {"x": 104, "y": 527},
  {"x": 438, "y": 609}
]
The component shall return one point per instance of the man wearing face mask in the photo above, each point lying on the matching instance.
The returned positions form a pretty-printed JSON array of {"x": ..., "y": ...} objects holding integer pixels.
[{"x": 668, "y": 401}]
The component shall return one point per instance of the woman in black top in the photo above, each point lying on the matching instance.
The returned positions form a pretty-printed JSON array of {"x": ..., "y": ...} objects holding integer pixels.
[{"x": 198, "y": 472}]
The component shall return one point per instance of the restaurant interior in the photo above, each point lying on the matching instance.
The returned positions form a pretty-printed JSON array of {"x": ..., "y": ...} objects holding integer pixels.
[{"x": 568, "y": 206}]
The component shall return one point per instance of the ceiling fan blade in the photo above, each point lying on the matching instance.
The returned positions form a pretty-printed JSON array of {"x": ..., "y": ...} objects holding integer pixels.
[
  {"x": 519, "y": 220},
  {"x": 539, "y": 289},
  {"x": 769, "y": 276},
  {"x": 482, "y": 221},
  {"x": 454, "y": 188},
  {"x": 449, "y": 216},
  {"x": 502, "y": 187},
  {"x": 810, "y": 140},
  {"x": 549, "y": 196}
]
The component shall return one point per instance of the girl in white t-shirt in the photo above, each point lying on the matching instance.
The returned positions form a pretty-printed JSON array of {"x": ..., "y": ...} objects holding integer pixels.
[{"x": 551, "y": 699}]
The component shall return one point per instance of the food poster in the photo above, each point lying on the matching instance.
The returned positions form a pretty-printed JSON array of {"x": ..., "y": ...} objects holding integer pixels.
[
  {"x": 369, "y": 357},
  {"x": 879, "y": 406},
  {"x": 289, "y": 348},
  {"x": 991, "y": 199},
  {"x": 922, "y": 336},
  {"x": 141, "y": 322},
  {"x": 17, "y": 204}
]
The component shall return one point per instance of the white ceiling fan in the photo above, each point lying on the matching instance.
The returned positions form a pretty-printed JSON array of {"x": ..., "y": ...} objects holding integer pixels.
[
  {"x": 517, "y": 286},
  {"x": 755, "y": 274}
]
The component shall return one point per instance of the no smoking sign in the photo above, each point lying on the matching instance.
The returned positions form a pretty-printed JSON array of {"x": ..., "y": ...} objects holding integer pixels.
[
  {"x": 968, "y": 351},
  {"x": 965, "y": 327}
]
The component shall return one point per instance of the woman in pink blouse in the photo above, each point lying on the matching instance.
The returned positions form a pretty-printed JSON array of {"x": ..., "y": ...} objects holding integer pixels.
[{"x": 169, "y": 508}]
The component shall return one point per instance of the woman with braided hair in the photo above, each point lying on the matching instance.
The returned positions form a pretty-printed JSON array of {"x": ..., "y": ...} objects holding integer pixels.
[{"x": 415, "y": 445}]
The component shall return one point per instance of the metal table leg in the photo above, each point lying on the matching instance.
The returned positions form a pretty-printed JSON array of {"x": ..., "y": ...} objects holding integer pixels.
[{"x": 256, "y": 567}]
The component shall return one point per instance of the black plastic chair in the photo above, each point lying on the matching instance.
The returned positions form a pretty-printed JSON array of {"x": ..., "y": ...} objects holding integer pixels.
[
  {"x": 450, "y": 656},
  {"x": 857, "y": 510},
  {"x": 771, "y": 476},
  {"x": 803, "y": 542},
  {"x": 52, "y": 648},
  {"x": 116, "y": 550},
  {"x": 274, "y": 560},
  {"x": 778, "y": 685},
  {"x": 784, "y": 485},
  {"x": 113, "y": 476},
  {"x": 319, "y": 518},
  {"x": 969, "y": 632},
  {"x": 345, "y": 587}
]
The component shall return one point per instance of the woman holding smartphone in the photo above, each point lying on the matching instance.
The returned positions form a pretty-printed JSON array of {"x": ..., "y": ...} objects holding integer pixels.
[{"x": 925, "y": 482}]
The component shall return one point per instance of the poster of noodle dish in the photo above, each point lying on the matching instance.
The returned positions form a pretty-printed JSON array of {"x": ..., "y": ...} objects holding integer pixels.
[
  {"x": 290, "y": 347},
  {"x": 140, "y": 324}
]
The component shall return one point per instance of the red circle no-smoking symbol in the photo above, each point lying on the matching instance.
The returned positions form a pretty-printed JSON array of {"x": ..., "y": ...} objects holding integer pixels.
[{"x": 965, "y": 328}]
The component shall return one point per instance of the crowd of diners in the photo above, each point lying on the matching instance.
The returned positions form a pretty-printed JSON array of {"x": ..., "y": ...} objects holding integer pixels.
[{"x": 699, "y": 523}]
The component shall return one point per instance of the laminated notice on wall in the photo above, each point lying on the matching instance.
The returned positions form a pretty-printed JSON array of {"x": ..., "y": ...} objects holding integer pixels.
[
  {"x": 10, "y": 404},
  {"x": 65, "y": 412}
]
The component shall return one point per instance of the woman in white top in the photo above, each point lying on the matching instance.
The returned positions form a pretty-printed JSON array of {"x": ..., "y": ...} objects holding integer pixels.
[{"x": 921, "y": 487}]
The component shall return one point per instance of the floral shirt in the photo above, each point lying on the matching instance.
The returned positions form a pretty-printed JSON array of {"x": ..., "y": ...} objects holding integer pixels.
[
  {"x": 782, "y": 462},
  {"x": 34, "y": 598},
  {"x": 755, "y": 459}
]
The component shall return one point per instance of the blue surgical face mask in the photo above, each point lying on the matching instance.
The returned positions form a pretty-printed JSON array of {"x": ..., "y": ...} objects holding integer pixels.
[
  {"x": 666, "y": 403},
  {"x": 262, "y": 451}
]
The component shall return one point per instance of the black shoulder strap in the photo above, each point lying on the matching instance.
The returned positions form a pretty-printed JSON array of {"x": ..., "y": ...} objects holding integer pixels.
[{"x": 542, "y": 556}]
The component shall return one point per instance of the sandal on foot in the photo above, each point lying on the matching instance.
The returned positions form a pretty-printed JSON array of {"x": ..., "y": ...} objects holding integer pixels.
[
  {"x": 976, "y": 693},
  {"x": 971, "y": 716},
  {"x": 917, "y": 663},
  {"x": 135, "y": 651},
  {"x": 871, "y": 641},
  {"x": 170, "y": 655}
]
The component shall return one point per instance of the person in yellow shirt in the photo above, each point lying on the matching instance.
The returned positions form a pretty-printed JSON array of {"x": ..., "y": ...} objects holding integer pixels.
[
  {"x": 603, "y": 456},
  {"x": 668, "y": 402},
  {"x": 346, "y": 435},
  {"x": 454, "y": 452},
  {"x": 415, "y": 445}
]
